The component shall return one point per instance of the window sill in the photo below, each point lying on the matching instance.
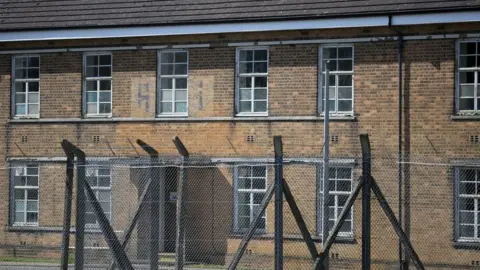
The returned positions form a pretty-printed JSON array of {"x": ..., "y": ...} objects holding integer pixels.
[
  {"x": 292, "y": 237},
  {"x": 466, "y": 245},
  {"x": 98, "y": 116},
  {"x": 263, "y": 114},
  {"x": 172, "y": 116},
  {"x": 18, "y": 117},
  {"x": 39, "y": 229},
  {"x": 475, "y": 117}
]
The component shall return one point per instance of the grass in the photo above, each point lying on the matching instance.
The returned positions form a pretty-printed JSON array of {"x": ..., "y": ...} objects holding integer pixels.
[{"x": 71, "y": 259}]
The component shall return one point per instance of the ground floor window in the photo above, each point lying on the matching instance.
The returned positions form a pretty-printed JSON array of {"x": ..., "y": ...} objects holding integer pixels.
[
  {"x": 340, "y": 187},
  {"x": 25, "y": 195},
  {"x": 100, "y": 181},
  {"x": 250, "y": 189},
  {"x": 467, "y": 204}
]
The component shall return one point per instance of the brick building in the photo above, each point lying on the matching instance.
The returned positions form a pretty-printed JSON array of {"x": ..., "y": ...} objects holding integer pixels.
[{"x": 226, "y": 77}]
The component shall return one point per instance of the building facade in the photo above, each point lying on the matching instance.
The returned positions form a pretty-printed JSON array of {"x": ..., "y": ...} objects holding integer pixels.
[{"x": 226, "y": 92}]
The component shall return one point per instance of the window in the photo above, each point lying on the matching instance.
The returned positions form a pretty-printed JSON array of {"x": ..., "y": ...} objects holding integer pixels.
[
  {"x": 25, "y": 190},
  {"x": 468, "y": 80},
  {"x": 98, "y": 84},
  {"x": 468, "y": 204},
  {"x": 26, "y": 86},
  {"x": 252, "y": 81},
  {"x": 173, "y": 83},
  {"x": 250, "y": 188},
  {"x": 340, "y": 99},
  {"x": 340, "y": 187},
  {"x": 100, "y": 181}
]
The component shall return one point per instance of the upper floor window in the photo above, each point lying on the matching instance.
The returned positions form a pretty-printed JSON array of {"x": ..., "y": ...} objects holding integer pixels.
[
  {"x": 340, "y": 57},
  {"x": 252, "y": 81},
  {"x": 25, "y": 195},
  {"x": 100, "y": 180},
  {"x": 173, "y": 86},
  {"x": 26, "y": 86},
  {"x": 98, "y": 84},
  {"x": 468, "y": 78},
  {"x": 467, "y": 216},
  {"x": 340, "y": 187},
  {"x": 250, "y": 189}
]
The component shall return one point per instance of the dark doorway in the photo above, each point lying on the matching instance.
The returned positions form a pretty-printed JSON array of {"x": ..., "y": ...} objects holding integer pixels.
[{"x": 171, "y": 179}]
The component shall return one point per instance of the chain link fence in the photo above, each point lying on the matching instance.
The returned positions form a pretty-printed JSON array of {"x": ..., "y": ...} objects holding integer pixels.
[{"x": 220, "y": 198}]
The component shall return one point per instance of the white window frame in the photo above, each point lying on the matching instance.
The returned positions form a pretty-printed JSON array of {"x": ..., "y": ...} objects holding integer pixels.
[
  {"x": 476, "y": 211},
  {"x": 174, "y": 77},
  {"x": 252, "y": 75},
  {"x": 28, "y": 80},
  {"x": 335, "y": 195},
  {"x": 97, "y": 189},
  {"x": 25, "y": 188},
  {"x": 251, "y": 191},
  {"x": 336, "y": 73},
  {"x": 98, "y": 79},
  {"x": 476, "y": 71}
]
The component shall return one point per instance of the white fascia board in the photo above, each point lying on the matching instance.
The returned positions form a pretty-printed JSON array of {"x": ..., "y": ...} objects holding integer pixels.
[
  {"x": 433, "y": 18},
  {"x": 145, "y": 31}
]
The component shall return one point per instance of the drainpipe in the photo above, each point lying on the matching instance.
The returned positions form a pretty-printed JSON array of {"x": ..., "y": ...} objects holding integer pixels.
[{"x": 401, "y": 259}]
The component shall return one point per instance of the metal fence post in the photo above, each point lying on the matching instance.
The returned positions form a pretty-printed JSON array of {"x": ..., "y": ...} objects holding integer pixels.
[
  {"x": 180, "y": 237},
  {"x": 80, "y": 209},
  {"x": 67, "y": 211},
  {"x": 154, "y": 203},
  {"x": 278, "y": 146},
  {"x": 326, "y": 159},
  {"x": 366, "y": 202}
]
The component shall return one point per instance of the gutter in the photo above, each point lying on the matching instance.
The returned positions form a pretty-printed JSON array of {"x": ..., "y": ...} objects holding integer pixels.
[{"x": 242, "y": 27}]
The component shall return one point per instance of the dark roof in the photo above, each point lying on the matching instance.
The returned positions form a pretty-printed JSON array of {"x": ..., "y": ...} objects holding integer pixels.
[{"x": 48, "y": 14}]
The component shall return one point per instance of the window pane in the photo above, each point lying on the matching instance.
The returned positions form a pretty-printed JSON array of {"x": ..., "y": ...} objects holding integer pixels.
[
  {"x": 90, "y": 218},
  {"x": 244, "y": 183},
  {"x": 260, "y": 67},
  {"x": 246, "y": 67},
  {"x": 467, "y": 77},
  {"x": 19, "y": 217},
  {"x": 259, "y": 171},
  {"x": 105, "y": 59},
  {"x": 467, "y": 104},
  {"x": 246, "y": 55},
  {"x": 104, "y": 181},
  {"x": 343, "y": 185},
  {"x": 345, "y": 92},
  {"x": 467, "y": 90},
  {"x": 33, "y": 98},
  {"x": 166, "y": 69},
  {"x": 20, "y": 181},
  {"x": 32, "y": 206},
  {"x": 260, "y": 81},
  {"x": 32, "y": 180},
  {"x": 180, "y": 107},
  {"x": 345, "y": 52},
  {"x": 19, "y": 206},
  {"x": 20, "y": 87},
  {"x": 346, "y": 227},
  {"x": 344, "y": 80},
  {"x": 32, "y": 194},
  {"x": 181, "y": 83},
  {"x": 33, "y": 87},
  {"x": 105, "y": 85},
  {"x": 20, "y": 62},
  {"x": 105, "y": 96},
  {"x": 467, "y": 61},
  {"x": 245, "y": 94},
  {"x": 166, "y": 95},
  {"x": 260, "y": 94},
  {"x": 91, "y": 85},
  {"x": 332, "y": 65},
  {"x": 20, "y": 109},
  {"x": 33, "y": 109},
  {"x": 260, "y": 106},
  {"x": 105, "y": 108},
  {"x": 181, "y": 57},
  {"x": 92, "y": 60},
  {"x": 258, "y": 197},
  {"x": 91, "y": 96},
  {"x": 245, "y": 82},
  {"x": 19, "y": 194},
  {"x": 243, "y": 222},
  {"x": 329, "y": 53},
  {"x": 105, "y": 71},
  {"x": 243, "y": 210},
  {"x": 245, "y": 106},
  {"x": 467, "y": 217},
  {"x": 181, "y": 69},
  {"x": 33, "y": 73},
  {"x": 166, "y": 83},
  {"x": 166, "y": 107},
  {"x": 258, "y": 183},
  {"x": 92, "y": 71},
  {"x": 92, "y": 108},
  {"x": 167, "y": 57},
  {"x": 243, "y": 198},
  {"x": 260, "y": 55},
  {"x": 181, "y": 95},
  {"x": 466, "y": 230},
  {"x": 345, "y": 65},
  {"x": 244, "y": 171},
  {"x": 344, "y": 105},
  {"x": 467, "y": 204},
  {"x": 33, "y": 61},
  {"x": 20, "y": 98},
  {"x": 103, "y": 196},
  {"x": 468, "y": 48},
  {"x": 32, "y": 170},
  {"x": 105, "y": 206}
]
